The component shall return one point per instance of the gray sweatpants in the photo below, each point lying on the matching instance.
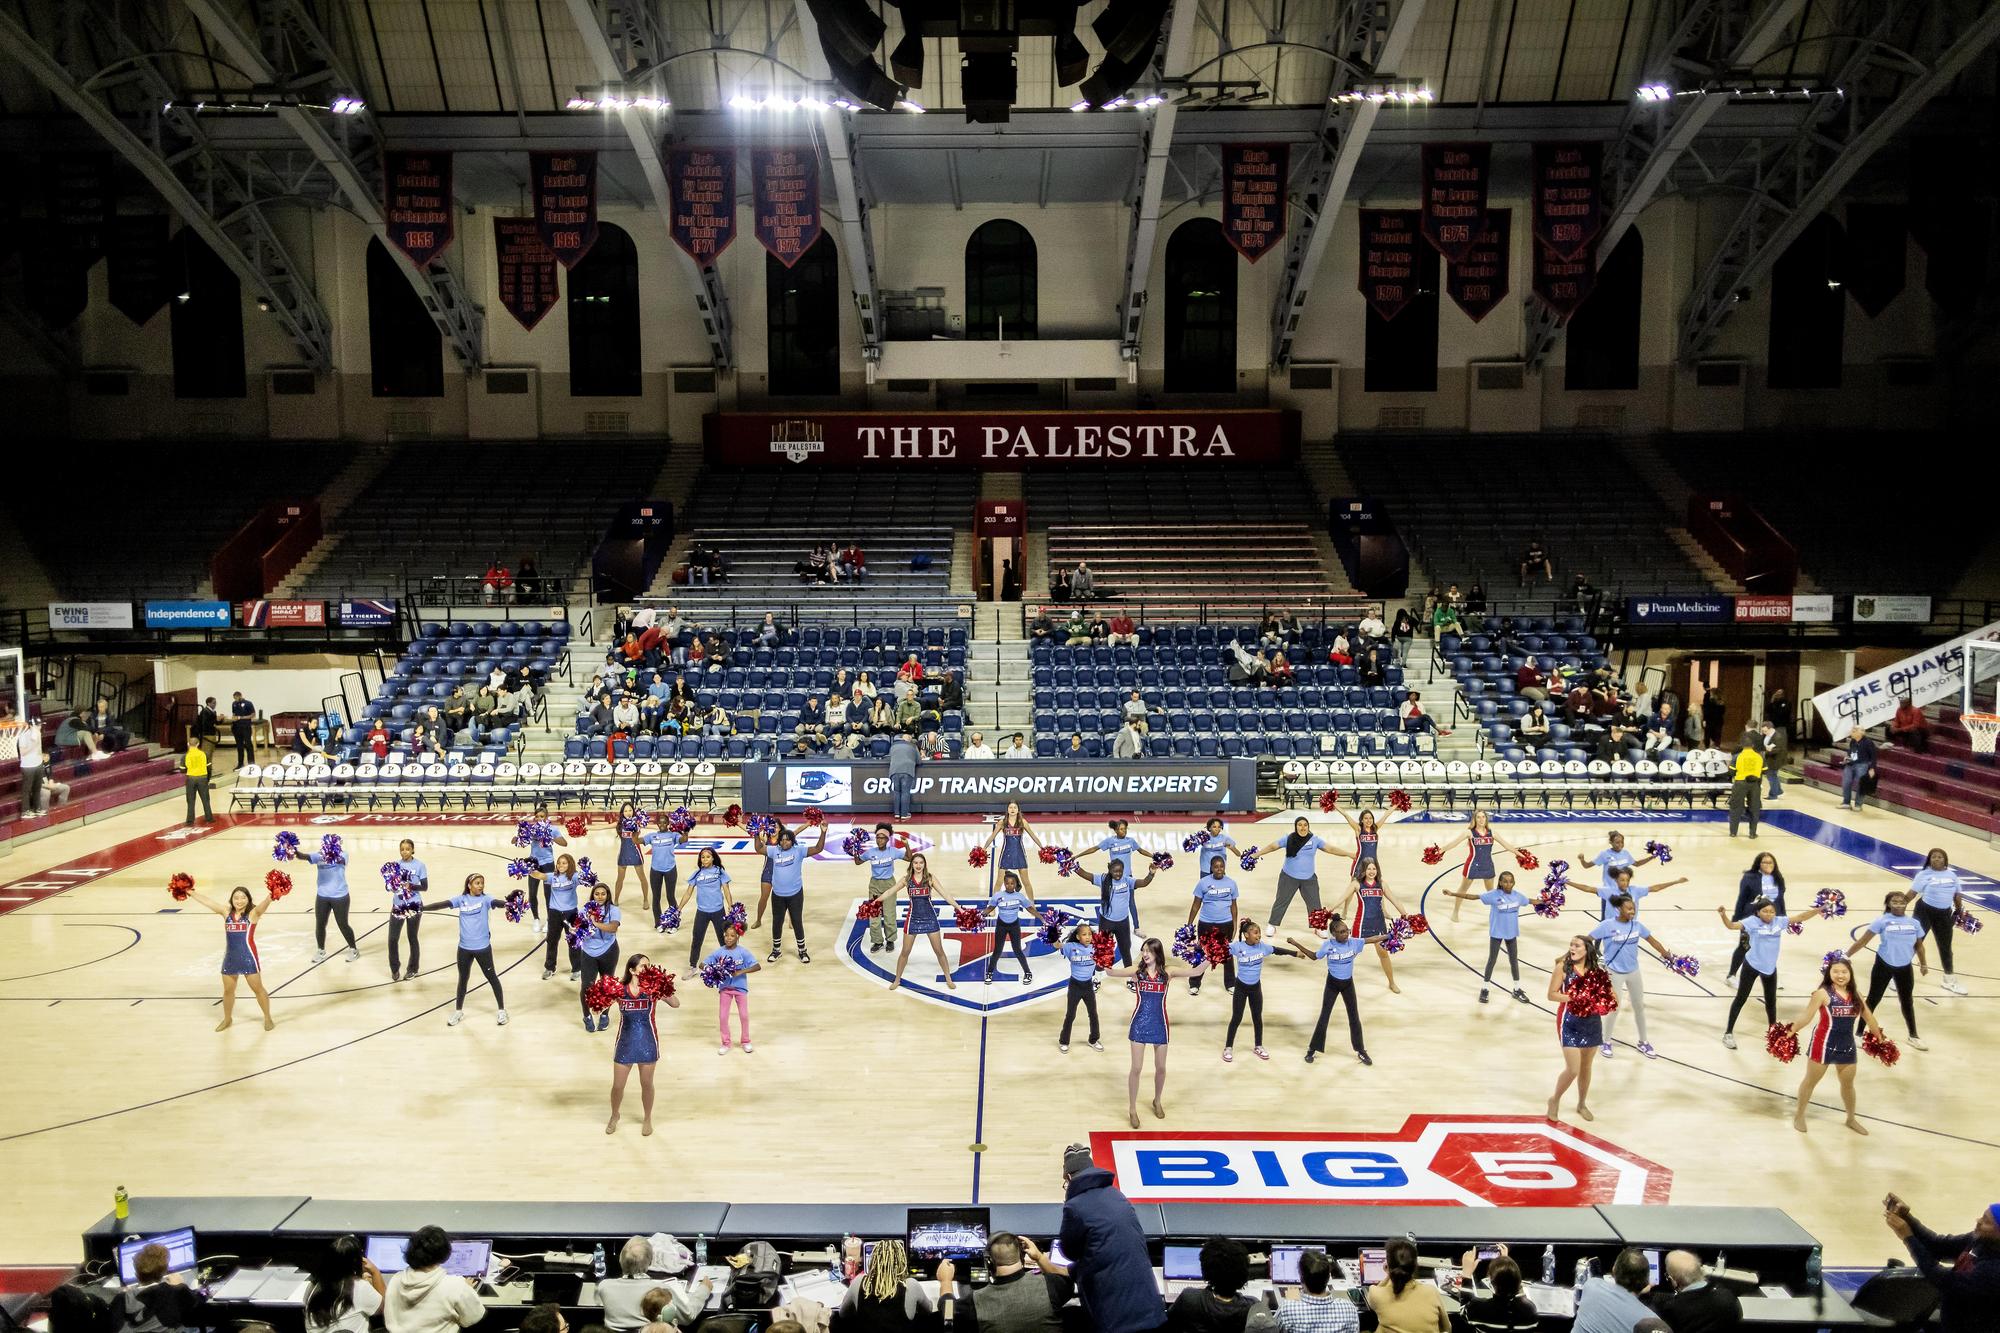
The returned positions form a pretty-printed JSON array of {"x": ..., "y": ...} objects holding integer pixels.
[
  {"x": 1633, "y": 984},
  {"x": 1307, "y": 888},
  {"x": 882, "y": 930}
]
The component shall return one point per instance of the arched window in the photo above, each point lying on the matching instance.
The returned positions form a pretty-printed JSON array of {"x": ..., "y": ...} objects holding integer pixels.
[
  {"x": 1602, "y": 351},
  {"x": 1400, "y": 355},
  {"x": 1000, "y": 281},
  {"x": 1808, "y": 310},
  {"x": 1201, "y": 309},
  {"x": 207, "y": 323},
  {"x": 405, "y": 350},
  {"x": 802, "y": 314},
  {"x": 604, "y": 318}
]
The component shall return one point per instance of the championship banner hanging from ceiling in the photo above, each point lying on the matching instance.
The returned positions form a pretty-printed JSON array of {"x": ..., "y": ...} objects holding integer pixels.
[
  {"x": 702, "y": 183},
  {"x": 1455, "y": 181},
  {"x": 79, "y": 193},
  {"x": 1388, "y": 259},
  {"x": 1254, "y": 176},
  {"x": 1480, "y": 281},
  {"x": 136, "y": 267},
  {"x": 1567, "y": 194},
  {"x": 417, "y": 208},
  {"x": 565, "y": 193},
  {"x": 1875, "y": 255},
  {"x": 527, "y": 270},
  {"x": 784, "y": 189},
  {"x": 1563, "y": 284}
]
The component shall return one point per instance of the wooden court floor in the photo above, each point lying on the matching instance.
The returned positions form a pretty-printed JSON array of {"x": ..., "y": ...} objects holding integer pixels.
[{"x": 108, "y": 997}]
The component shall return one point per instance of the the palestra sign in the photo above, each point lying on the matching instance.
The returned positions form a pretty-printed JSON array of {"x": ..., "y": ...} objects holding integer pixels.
[{"x": 1001, "y": 440}]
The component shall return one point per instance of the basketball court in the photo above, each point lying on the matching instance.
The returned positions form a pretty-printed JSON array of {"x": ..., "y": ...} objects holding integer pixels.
[{"x": 110, "y": 993}]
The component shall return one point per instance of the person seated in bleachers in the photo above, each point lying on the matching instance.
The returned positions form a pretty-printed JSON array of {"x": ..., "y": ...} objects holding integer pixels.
[
  {"x": 718, "y": 723},
  {"x": 978, "y": 749},
  {"x": 1123, "y": 631},
  {"x": 843, "y": 745},
  {"x": 910, "y": 676},
  {"x": 1059, "y": 585},
  {"x": 497, "y": 583},
  {"x": 1660, "y": 731},
  {"x": 1283, "y": 676},
  {"x": 951, "y": 694},
  {"x": 864, "y": 687},
  {"x": 105, "y": 733},
  {"x": 439, "y": 728},
  {"x": 812, "y": 722},
  {"x": 1082, "y": 583},
  {"x": 1272, "y": 636},
  {"x": 509, "y": 706},
  {"x": 911, "y": 715},
  {"x": 1042, "y": 626},
  {"x": 1075, "y": 750},
  {"x": 425, "y": 747},
  {"x": 854, "y": 561},
  {"x": 1581, "y": 596},
  {"x": 836, "y": 708},
  {"x": 652, "y": 712},
  {"x": 1473, "y": 613},
  {"x": 1371, "y": 629},
  {"x": 704, "y": 564},
  {"x": 527, "y": 579},
  {"x": 1018, "y": 748},
  {"x": 1076, "y": 634},
  {"x": 714, "y": 656},
  {"x": 1413, "y": 717},
  {"x": 1534, "y": 727},
  {"x": 602, "y": 716},
  {"x": 378, "y": 740},
  {"x": 1371, "y": 670},
  {"x": 1247, "y": 668},
  {"x": 1340, "y": 652},
  {"x": 625, "y": 715},
  {"x": 1535, "y": 563},
  {"x": 458, "y": 712},
  {"x": 1529, "y": 682},
  {"x": 881, "y": 718},
  {"x": 305, "y": 743},
  {"x": 1444, "y": 617},
  {"x": 1909, "y": 728},
  {"x": 1135, "y": 712}
]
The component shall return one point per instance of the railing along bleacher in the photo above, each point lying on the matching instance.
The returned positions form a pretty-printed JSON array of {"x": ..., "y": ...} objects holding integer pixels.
[
  {"x": 298, "y": 784},
  {"x": 1502, "y": 784}
]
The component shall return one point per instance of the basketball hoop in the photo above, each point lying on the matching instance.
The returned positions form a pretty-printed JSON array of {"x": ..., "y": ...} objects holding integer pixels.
[{"x": 1985, "y": 729}]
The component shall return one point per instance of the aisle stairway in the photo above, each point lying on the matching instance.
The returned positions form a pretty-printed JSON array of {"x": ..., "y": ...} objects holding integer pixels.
[{"x": 999, "y": 699}]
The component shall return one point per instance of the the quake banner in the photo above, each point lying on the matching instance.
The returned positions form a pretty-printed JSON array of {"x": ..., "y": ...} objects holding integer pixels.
[
  {"x": 416, "y": 205},
  {"x": 1567, "y": 194},
  {"x": 527, "y": 270},
  {"x": 1253, "y": 196},
  {"x": 784, "y": 190},
  {"x": 1388, "y": 259},
  {"x": 1455, "y": 181},
  {"x": 1480, "y": 281},
  {"x": 1563, "y": 284},
  {"x": 702, "y": 182},
  {"x": 1876, "y": 236},
  {"x": 565, "y": 191},
  {"x": 136, "y": 268}
]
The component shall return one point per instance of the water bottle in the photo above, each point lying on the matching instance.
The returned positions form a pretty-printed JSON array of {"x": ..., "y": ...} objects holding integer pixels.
[
  {"x": 701, "y": 1251},
  {"x": 121, "y": 1204},
  {"x": 1721, "y": 1261},
  {"x": 1548, "y": 1265},
  {"x": 1813, "y": 1271},
  {"x": 597, "y": 1262},
  {"x": 1582, "y": 1277}
]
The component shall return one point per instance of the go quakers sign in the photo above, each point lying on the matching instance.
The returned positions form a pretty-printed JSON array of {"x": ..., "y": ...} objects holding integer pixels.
[{"x": 1001, "y": 440}]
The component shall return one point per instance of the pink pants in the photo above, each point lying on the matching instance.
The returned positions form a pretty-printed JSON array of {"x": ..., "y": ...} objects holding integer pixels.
[{"x": 740, "y": 999}]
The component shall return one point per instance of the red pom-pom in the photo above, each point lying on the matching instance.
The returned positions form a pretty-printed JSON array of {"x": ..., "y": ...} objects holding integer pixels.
[
  {"x": 577, "y": 825},
  {"x": 1399, "y": 801},
  {"x": 1329, "y": 800},
  {"x": 733, "y": 816},
  {"x": 1527, "y": 860},
  {"x": 1215, "y": 949},
  {"x": 1416, "y": 923},
  {"x": 1782, "y": 1043},
  {"x": 976, "y": 857},
  {"x": 603, "y": 993},
  {"x": 277, "y": 883},
  {"x": 180, "y": 885},
  {"x": 1320, "y": 918},
  {"x": 655, "y": 984},
  {"x": 1048, "y": 855},
  {"x": 967, "y": 918},
  {"x": 1433, "y": 854},
  {"x": 813, "y": 816},
  {"x": 869, "y": 909},
  {"x": 1881, "y": 1048},
  {"x": 1590, "y": 994},
  {"x": 1104, "y": 949}
]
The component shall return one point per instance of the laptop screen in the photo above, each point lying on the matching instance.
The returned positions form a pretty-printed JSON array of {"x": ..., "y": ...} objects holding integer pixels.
[
  {"x": 1181, "y": 1263},
  {"x": 1285, "y": 1263},
  {"x": 469, "y": 1258},
  {"x": 180, "y": 1253},
  {"x": 1374, "y": 1265}
]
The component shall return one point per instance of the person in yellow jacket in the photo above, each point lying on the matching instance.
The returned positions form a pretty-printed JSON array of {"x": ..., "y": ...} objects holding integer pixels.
[
  {"x": 1746, "y": 792},
  {"x": 195, "y": 779}
]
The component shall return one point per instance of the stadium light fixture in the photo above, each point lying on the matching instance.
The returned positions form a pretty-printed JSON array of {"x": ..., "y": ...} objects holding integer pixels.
[{"x": 1655, "y": 92}]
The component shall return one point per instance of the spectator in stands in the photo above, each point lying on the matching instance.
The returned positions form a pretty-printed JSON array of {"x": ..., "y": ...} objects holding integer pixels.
[
  {"x": 1082, "y": 583},
  {"x": 104, "y": 735},
  {"x": 1690, "y": 1303},
  {"x": 497, "y": 583},
  {"x": 1220, "y": 1306},
  {"x": 1444, "y": 618},
  {"x": 951, "y": 694},
  {"x": 717, "y": 723},
  {"x": 1474, "y": 610},
  {"x": 305, "y": 742},
  {"x": 1128, "y": 743},
  {"x": 1660, "y": 731},
  {"x": 159, "y": 1300},
  {"x": 1371, "y": 629},
  {"x": 1124, "y": 632},
  {"x": 425, "y": 746},
  {"x": 1529, "y": 682},
  {"x": 1405, "y": 627},
  {"x": 1582, "y": 597},
  {"x": 1452, "y": 596},
  {"x": 34, "y": 764},
  {"x": 1282, "y": 674},
  {"x": 1100, "y": 629},
  {"x": 423, "y": 1298},
  {"x": 1312, "y": 1307},
  {"x": 1271, "y": 636},
  {"x": 1076, "y": 634},
  {"x": 864, "y": 687},
  {"x": 1414, "y": 719},
  {"x": 978, "y": 749},
  {"x": 1075, "y": 749},
  {"x": 1773, "y": 741},
  {"x": 1017, "y": 1300},
  {"x": 1059, "y": 585},
  {"x": 1247, "y": 668},
  {"x": 909, "y": 676},
  {"x": 1400, "y": 1302},
  {"x": 345, "y": 1290},
  {"x": 1371, "y": 670},
  {"x": 601, "y": 717},
  {"x": 527, "y": 579},
  {"x": 1965, "y": 1268},
  {"x": 1340, "y": 652},
  {"x": 1106, "y": 1248},
  {"x": 624, "y": 1297},
  {"x": 854, "y": 561},
  {"x": 1017, "y": 748},
  {"x": 458, "y": 710},
  {"x": 1042, "y": 627},
  {"x": 1612, "y": 1304},
  {"x": 705, "y": 565},
  {"x": 811, "y": 726},
  {"x": 1909, "y": 727},
  {"x": 509, "y": 706},
  {"x": 1507, "y": 1310},
  {"x": 1135, "y": 711},
  {"x": 769, "y": 633},
  {"x": 1534, "y": 727},
  {"x": 881, "y": 718},
  {"x": 377, "y": 741},
  {"x": 1860, "y": 767},
  {"x": 836, "y": 709},
  {"x": 1535, "y": 563},
  {"x": 625, "y": 716}
]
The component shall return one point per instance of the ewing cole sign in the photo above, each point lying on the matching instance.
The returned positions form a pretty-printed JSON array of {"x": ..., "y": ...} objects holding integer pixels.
[{"x": 1001, "y": 439}]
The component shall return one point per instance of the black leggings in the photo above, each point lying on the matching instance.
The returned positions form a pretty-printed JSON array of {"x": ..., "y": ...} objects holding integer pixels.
[
  {"x": 1749, "y": 977},
  {"x": 702, "y": 922},
  {"x": 558, "y": 923},
  {"x": 1493, "y": 947},
  {"x": 1006, "y": 933},
  {"x": 1937, "y": 920},
  {"x": 337, "y": 909},
  {"x": 535, "y": 896},
  {"x": 663, "y": 890},
  {"x": 1252, "y": 994},
  {"x": 484, "y": 957},
  {"x": 783, "y": 906},
  {"x": 1340, "y": 988},
  {"x": 593, "y": 968},
  {"x": 1904, "y": 977},
  {"x": 1084, "y": 993},
  {"x": 1122, "y": 932},
  {"x": 1219, "y": 930},
  {"x": 397, "y": 926}
]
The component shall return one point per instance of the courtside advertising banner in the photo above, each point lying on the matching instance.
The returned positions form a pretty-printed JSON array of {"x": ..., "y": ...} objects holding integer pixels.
[
  {"x": 284, "y": 615},
  {"x": 90, "y": 615},
  {"x": 982, "y": 786},
  {"x": 187, "y": 615},
  {"x": 1923, "y": 678},
  {"x": 359, "y": 613},
  {"x": 1694, "y": 609},
  {"x": 1877, "y": 609}
]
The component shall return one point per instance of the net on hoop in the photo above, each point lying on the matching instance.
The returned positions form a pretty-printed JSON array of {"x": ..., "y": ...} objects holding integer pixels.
[{"x": 1985, "y": 730}]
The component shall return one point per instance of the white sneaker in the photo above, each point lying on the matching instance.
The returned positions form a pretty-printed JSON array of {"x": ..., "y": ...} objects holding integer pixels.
[
  {"x": 1916, "y": 1044},
  {"x": 748, "y": 1049},
  {"x": 319, "y": 955},
  {"x": 353, "y": 953},
  {"x": 457, "y": 1017},
  {"x": 500, "y": 1017},
  {"x": 1604, "y": 1051},
  {"x": 1729, "y": 1040},
  {"x": 722, "y": 1049},
  {"x": 1953, "y": 984}
]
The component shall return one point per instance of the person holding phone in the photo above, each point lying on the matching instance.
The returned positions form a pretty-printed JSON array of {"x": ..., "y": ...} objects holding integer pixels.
[
  {"x": 1504, "y": 1309},
  {"x": 1965, "y": 1269},
  {"x": 1019, "y": 1299}
]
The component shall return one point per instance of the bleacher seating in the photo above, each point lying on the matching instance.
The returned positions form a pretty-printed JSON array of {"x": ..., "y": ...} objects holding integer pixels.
[
  {"x": 155, "y": 518},
  {"x": 1948, "y": 781},
  {"x": 1467, "y": 516},
  {"x": 1177, "y": 539},
  {"x": 95, "y": 785},
  {"x": 438, "y": 514}
]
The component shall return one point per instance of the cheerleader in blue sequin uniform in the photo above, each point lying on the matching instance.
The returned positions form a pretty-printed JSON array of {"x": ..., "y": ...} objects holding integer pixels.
[
  {"x": 638, "y": 1045},
  {"x": 924, "y": 891},
  {"x": 1580, "y": 1034},
  {"x": 239, "y": 949},
  {"x": 1364, "y": 906},
  {"x": 1836, "y": 1006},
  {"x": 1480, "y": 840},
  {"x": 1150, "y": 1029},
  {"x": 1014, "y": 833}
]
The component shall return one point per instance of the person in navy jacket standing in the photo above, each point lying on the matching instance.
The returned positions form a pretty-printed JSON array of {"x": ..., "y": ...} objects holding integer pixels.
[{"x": 1106, "y": 1249}]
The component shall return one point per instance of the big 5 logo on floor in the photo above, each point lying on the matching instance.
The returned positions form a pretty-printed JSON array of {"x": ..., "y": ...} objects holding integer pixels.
[
  {"x": 988, "y": 980},
  {"x": 1475, "y": 1162}
]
